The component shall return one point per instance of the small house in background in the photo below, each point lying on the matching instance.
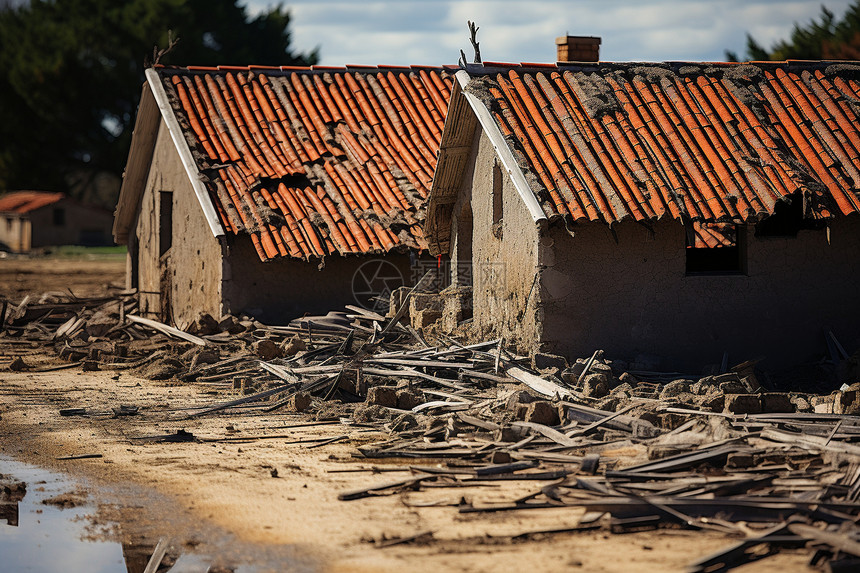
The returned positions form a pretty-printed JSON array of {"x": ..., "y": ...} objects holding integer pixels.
[
  {"x": 678, "y": 210},
  {"x": 34, "y": 219},
  {"x": 278, "y": 191}
]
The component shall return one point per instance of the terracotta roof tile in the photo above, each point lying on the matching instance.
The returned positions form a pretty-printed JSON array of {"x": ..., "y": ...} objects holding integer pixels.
[
  {"x": 315, "y": 161},
  {"x": 25, "y": 201},
  {"x": 702, "y": 142}
]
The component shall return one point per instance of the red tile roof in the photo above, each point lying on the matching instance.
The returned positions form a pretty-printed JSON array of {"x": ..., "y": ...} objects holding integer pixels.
[
  {"x": 315, "y": 161},
  {"x": 25, "y": 201},
  {"x": 700, "y": 142}
]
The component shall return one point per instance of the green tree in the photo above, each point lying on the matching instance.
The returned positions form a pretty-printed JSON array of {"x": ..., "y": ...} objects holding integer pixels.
[
  {"x": 71, "y": 73},
  {"x": 821, "y": 39}
]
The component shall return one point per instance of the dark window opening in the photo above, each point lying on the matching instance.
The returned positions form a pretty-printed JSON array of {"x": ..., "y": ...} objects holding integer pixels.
[
  {"x": 786, "y": 221},
  {"x": 165, "y": 221},
  {"x": 715, "y": 249},
  {"x": 464, "y": 270},
  {"x": 134, "y": 255},
  {"x": 59, "y": 217},
  {"x": 498, "y": 202}
]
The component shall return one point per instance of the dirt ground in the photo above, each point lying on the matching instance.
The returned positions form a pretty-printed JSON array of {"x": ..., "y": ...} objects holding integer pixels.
[
  {"x": 254, "y": 486},
  {"x": 20, "y": 276}
]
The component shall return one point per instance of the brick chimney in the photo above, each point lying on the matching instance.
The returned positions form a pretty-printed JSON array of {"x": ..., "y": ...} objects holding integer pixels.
[{"x": 578, "y": 48}]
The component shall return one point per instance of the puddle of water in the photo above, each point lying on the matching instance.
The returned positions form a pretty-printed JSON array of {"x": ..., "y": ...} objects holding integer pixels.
[
  {"x": 46, "y": 538},
  {"x": 40, "y": 538}
]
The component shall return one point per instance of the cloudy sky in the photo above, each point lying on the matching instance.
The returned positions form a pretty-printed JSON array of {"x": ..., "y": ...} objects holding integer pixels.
[{"x": 402, "y": 32}]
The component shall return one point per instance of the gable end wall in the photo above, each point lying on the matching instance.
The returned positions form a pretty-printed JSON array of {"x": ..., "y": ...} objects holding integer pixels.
[
  {"x": 504, "y": 268},
  {"x": 191, "y": 271}
]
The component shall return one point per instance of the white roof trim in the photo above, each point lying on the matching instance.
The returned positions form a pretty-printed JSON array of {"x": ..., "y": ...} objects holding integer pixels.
[
  {"x": 184, "y": 152},
  {"x": 502, "y": 150}
]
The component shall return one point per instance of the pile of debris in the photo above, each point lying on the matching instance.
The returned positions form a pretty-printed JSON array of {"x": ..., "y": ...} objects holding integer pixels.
[{"x": 636, "y": 449}]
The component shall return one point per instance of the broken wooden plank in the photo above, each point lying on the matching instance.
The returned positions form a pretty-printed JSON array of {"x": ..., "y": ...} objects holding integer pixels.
[
  {"x": 374, "y": 489},
  {"x": 168, "y": 330},
  {"x": 540, "y": 385},
  {"x": 836, "y": 540}
]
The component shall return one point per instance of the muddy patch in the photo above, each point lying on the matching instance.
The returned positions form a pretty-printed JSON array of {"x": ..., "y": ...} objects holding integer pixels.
[{"x": 50, "y": 523}]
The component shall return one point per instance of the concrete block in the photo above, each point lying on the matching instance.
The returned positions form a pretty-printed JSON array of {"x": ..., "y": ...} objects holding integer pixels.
[
  {"x": 266, "y": 349},
  {"x": 204, "y": 356},
  {"x": 733, "y": 387},
  {"x": 517, "y": 399},
  {"x": 608, "y": 404},
  {"x": 424, "y": 317},
  {"x": 406, "y": 399},
  {"x": 801, "y": 404},
  {"x": 595, "y": 386},
  {"x": 542, "y": 412},
  {"x": 456, "y": 306},
  {"x": 824, "y": 405},
  {"x": 98, "y": 327},
  {"x": 846, "y": 398},
  {"x": 299, "y": 402},
  {"x": 292, "y": 346},
  {"x": 382, "y": 396},
  {"x": 571, "y": 375},
  {"x": 674, "y": 388},
  {"x": 423, "y": 300},
  {"x": 541, "y": 361},
  {"x": 742, "y": 404},
  {"x": 231, "y": 324},
  {"x": 510, "y": 434},
  {"x": 204, "y": 325}
]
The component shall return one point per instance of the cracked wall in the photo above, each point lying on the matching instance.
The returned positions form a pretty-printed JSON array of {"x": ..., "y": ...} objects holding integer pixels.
[{"x": 504, "y": 250}]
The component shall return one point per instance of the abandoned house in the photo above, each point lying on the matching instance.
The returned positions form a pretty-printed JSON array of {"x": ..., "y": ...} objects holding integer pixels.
[
  {"x": 672, "y": 212},
  {"x": 278, "y": 191},
  {"x": 35, "y": 219}
]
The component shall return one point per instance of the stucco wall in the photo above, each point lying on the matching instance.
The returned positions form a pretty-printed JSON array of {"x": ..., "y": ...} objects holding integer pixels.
[
  {"x": 505, "y": 264},
  {"x": 81, "y": 225},
  {"x": 78, "y": 225},
  {"x": 633, "y": 297},
  {"x": 193, "y": 264},
  {"x": 15, "y": 232},
  {"x": 282, "y": 289}
]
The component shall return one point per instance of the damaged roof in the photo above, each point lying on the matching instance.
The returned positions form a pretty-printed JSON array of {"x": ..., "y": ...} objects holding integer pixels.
[
  {"x": 314, "y": 161},
  {"x": 691, "y": 141},
  {"x": 23, "y": 202}
]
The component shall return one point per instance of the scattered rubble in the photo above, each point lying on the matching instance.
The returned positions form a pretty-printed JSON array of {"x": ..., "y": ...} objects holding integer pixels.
[{"x": 638, "y": 449}]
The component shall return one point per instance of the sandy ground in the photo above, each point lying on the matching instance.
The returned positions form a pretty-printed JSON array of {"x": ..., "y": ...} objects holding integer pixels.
[
  {"x": 252, "y": 485},
  {"x": 228, "y": 482},
  {"x": 20, "y": 276}
]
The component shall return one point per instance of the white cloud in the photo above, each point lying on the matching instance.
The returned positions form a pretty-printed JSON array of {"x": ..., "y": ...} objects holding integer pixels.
[{"x": 403, "y": 32}]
